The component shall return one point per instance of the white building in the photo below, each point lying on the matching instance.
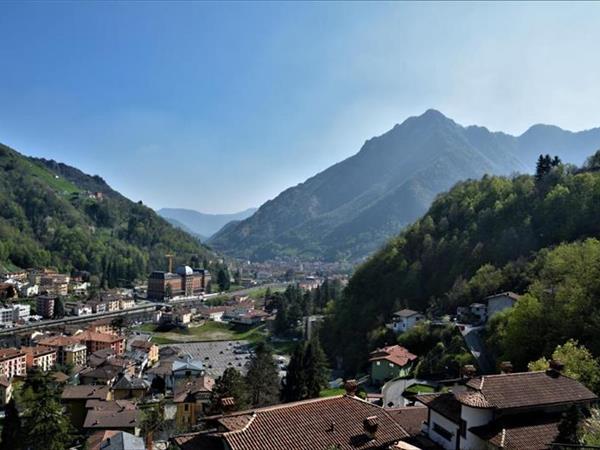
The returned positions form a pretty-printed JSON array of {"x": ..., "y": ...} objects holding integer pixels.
[
  {"x": 405, "y": 319},
  {"x": 520, "y": 410},
  {"x": 500, "y": 302},
  {"x": 21, "y": 312},
  {"x": 6, "y": 316}
]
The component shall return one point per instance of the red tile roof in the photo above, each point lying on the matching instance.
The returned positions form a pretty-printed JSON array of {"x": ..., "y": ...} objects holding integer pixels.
[
  {"x": 85, "y": 392},
  {"x": 394, "y": 353},
  {"x": 444, "y": 404},
  {"x": 316, "y": 424},
  {"x": 410, "y": 418},
  {"x": 98, "y": 337},
  {"x": 520, "y": 432},
  {"x": 524, "y": 389},
  {"x": 58, "y": 341},
  {"x": 10, "y": 353}
]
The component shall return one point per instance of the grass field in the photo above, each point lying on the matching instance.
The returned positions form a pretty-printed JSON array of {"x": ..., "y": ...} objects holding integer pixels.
[
  {"x": 420, "y": 389},
  {"x": 332, "y": 392},
  {"x": 210, "y": 331}
]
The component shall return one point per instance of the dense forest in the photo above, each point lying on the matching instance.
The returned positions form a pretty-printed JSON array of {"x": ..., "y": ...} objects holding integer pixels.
[
  {"x": 524, "y": 233},
  {"x": 50, "y": 217}
]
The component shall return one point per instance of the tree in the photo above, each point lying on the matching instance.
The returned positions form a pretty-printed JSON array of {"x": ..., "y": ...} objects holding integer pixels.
[
  {"x": 316, "y": 368},
  {"x": 568, "y": 427},
  {"x": 168, "y": 291},
  {"x": 152, "y": 420},
  {"x": 262, "y": 377},
  {"x": 590, "y": 428},
  {"x": 230, "y": 384},
  {"x": 44, "y": 424},
  {"x": 294, "y": 386},
  {"x": 223, "y": 279},
  {"x": 578, "y": 364},
  {"x": 11, "y": 430},
  {"x": 59, "y": 308},
  {"x": 593, "y": 162}
]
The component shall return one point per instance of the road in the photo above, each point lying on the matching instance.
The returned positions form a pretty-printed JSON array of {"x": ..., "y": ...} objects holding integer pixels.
[
  {"x": 203, "y": 298},
  {"x": 476, "y": 345}
]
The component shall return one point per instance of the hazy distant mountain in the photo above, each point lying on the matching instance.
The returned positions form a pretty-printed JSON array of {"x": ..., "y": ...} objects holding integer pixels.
[
  {"x": 200, "y": 224},
  {"x": 351, "y": 208}
]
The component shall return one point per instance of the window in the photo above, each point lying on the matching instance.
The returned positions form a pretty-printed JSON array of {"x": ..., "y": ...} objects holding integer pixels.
[
  {"x": 186, "y": 407},
  {"x": 463, "y": 428},
  {"x": 442, "y": 432}
]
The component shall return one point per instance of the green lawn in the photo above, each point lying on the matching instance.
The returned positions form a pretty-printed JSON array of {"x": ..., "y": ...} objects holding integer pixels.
[
  {"x": 61, "y": 184},
  {"x": 420, "y": 389},
  {"x": 332, "y": 392}
]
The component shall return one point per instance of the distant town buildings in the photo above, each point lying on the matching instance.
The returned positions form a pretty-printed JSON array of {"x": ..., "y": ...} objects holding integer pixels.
[{"x": 184, "y": 282}]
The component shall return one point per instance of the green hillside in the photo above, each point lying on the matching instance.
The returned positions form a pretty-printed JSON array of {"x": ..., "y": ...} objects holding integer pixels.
[
  {"x": 49, "y": 218},
  {"x": 480, "y": 238}
]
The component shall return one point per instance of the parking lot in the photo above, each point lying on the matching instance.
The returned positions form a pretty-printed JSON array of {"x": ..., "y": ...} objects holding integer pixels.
[{"x": 218, "y": 355}]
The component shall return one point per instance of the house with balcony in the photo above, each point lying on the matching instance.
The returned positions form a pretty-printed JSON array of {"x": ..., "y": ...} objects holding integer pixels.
[
  {"x": 405, "y": 319},
  {"x": 509, "y": 410},
  {"x": 390, "y": 362}
]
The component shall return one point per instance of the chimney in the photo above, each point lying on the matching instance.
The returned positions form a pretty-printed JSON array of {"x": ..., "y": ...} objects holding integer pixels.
[
  {"x": 555, "y": 368},
  {"x": 351, "y": 386},
  {"x": 370, "y": 425},
  {"x": 506, "y": 367},
  {"x": 227, "y": 404},
  {"x": 468, "y": 371}
]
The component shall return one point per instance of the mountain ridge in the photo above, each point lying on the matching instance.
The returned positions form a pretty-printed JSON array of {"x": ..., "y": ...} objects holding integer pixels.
[
  {"x": 397, "y": 175},
  {"x": 202, "y": 225}
]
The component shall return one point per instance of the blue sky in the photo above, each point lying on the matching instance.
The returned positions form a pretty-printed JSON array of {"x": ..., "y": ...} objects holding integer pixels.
[{"x": 219, "y": 107}]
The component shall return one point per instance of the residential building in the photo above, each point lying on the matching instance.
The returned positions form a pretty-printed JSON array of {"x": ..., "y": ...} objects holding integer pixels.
[
  {"x": 98, "y": 306},
  {"x": 126, "y": 303},
  {"x": 405, "y": 319},
  {"x": 119, "y": 415},
  {"x": 45, "y": 306},
  {"x": 475, "y": 313},
  {"x": 126, "y": 387},
  {"x": 500, "y": 302},
  {"x": 29, "y": 290},
  {"x": 69, "y": 351},
  {"x": 515, "y": 410},
  {"x": 191, "y": 397},
  {"x": 214, "y": 313},
  {"x": 21, "y": 312},
  {"x": 103, "y": 326},
  {"x": 390, "y": 362},
  {"x": 149, "y": 348},
  {"x": 78, "y": 308},
  {"x": 40, "y": 357},
  {"x": 95, "y": 341},
  {"x": 54, "y": 283},
  {"x": 12, "y": 363},
  {"x": 6, "y": 316},
  {"x": 115, "y": 440},
  {"x": 344, "y": 422},
  {"x": 75, "y": 397}
]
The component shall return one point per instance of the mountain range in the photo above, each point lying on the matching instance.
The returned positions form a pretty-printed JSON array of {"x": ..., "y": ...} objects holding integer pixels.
[
  {"x": 54, "y": 215},
  {"x": 200, "y": 224},
  {"x": 350, "y": 209}
]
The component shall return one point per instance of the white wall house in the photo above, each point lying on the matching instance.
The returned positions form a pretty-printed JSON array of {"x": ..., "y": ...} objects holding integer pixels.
[
  {"x": 503, "y": 411},
  {"x": 500, "y": 302},
  {"x": 405, "y": 319}
]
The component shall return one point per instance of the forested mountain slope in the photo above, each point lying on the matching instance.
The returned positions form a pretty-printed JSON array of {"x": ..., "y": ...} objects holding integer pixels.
[
  {"x": 50, "y": 217},
  {"x": 201, "y": 224},
  {"x": 480, "y": 238},
  {"x": 349, "y": 210}
]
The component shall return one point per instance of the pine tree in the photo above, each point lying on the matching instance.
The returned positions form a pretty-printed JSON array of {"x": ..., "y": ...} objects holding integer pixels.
[
  {"x": 44, "y": 424},
  {"x": 223, "y": 279},
  {"x": 262, "y": 378},
  {"x": 59, "y": 308},
  {"x": 230, "y": 384},
  {"x": 11, "y": 429},
  {"x": 316, "y": 368},
  {"x": 294, "y": 386}
]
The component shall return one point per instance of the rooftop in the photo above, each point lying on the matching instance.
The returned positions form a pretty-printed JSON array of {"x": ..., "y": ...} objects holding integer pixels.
[
  {"x": 395, "y": 354},
  {"x": 406, "y": 313},
  {"x": 85, "y": 392}
]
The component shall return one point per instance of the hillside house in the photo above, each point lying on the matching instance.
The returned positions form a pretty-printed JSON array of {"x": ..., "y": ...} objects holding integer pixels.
[
  {"x": 390, "y": 362},
  {"x": 405, "y": 319},
  {"x": 500, "y": 302},
  {"x": 516, "y": 410}
]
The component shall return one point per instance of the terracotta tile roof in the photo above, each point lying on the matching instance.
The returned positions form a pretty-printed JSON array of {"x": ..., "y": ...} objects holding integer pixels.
[
  {"x": 474, "y": 399},
  {"x": 107, "y": 418},
  {"x": 110, "y": 405},
  {"x": 410, "y": 418},
  {"x": 520, "y": 432},
  {"x": 58, "y": 341},
  {"x": 523, "y": 389},
  {"x": 395, "y": 354},
  {"x": 98, "y": 337},
  {"x": 10, "y": 353},
  {"x": 82, "y": 392},
  {"x": 316, "y": 424},
  {"x": 38, "y": 350},
  {"x": 235, "y": 422},
  {"x": 146, "y": 345},
  {"x": 191, "y": 387},
  {"x": 444, "y": 404},
  {"x": 198, "y": 441},
  {"x": 96, "y": 439}
]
